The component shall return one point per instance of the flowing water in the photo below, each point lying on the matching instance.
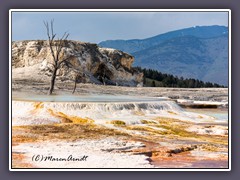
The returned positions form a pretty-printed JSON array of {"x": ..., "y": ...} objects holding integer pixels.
[{"x": 100, "y": 108}]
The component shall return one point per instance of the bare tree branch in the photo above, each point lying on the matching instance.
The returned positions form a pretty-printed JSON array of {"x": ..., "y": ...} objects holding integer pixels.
[
  {"x": 64, "y": 60},
  {"x": 50, "y": 39},
  {"x": 56, "y": 47}
]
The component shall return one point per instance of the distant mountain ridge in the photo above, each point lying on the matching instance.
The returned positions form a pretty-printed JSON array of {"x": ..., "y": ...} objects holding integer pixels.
[
  {"x": 199, "y": 52},
  {"x": 135, "y": 45}
]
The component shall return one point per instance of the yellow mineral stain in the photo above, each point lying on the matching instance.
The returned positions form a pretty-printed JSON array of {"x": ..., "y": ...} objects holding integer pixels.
[
  {"x": 171, "y": 112},
  {"x": 117, "y": 123},
  {"x": 71, "y": 119},
  {"x": 37, "y": 106}
]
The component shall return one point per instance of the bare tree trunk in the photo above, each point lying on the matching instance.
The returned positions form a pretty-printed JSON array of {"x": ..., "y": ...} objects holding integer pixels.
[
  {"x": 52, "y": 83},
  {"x": 75, "y": 85},
  {"x": 55, "y": 52},
  {"x": 104, "y": 83}
]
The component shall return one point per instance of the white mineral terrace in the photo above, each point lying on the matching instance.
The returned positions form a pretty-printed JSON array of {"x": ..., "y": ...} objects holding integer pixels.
[
  {"x": 109, "y": 152},
  {"x": 101, "y": 109},
  {"x": 95, "y": 151}
]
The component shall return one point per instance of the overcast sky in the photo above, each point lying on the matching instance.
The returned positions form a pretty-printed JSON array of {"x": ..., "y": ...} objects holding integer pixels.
[{"x": 99, "y": 26}]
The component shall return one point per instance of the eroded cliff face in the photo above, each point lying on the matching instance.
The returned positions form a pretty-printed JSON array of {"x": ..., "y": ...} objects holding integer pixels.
[{"x": 33, "y": 59}]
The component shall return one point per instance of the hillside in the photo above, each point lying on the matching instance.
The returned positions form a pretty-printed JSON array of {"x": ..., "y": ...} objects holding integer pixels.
[
  {"x": 31, "y": 62},
  {"x": 197, "y": 52},
  {"x": 135, "y": 45}
]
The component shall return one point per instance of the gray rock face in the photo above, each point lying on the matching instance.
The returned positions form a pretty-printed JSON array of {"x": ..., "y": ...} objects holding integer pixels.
[{"x": 88, "y": 60}]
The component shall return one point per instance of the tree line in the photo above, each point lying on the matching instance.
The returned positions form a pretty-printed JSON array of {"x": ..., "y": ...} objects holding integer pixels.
[{"x": 154, "y": 78}]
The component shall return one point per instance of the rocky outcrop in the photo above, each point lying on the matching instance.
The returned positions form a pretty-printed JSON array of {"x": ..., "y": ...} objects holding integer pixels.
[{"x": 88, "y": 60}]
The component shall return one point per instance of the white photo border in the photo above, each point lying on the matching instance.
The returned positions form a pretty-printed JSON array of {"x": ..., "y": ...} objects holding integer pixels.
[{"x": 119, "y": 169}]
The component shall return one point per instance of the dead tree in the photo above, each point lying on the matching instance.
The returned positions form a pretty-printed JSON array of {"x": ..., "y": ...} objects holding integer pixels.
[
  {"x": 56, "y": 46},
  {"x": 77, "y": 79}
]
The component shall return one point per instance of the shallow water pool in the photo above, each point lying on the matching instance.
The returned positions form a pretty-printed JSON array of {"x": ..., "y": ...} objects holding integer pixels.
[{"x": 84, "y": 98}]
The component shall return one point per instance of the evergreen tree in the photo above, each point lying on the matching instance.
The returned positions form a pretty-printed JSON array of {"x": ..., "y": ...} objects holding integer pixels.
[{"x": 168, "y": 80}]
